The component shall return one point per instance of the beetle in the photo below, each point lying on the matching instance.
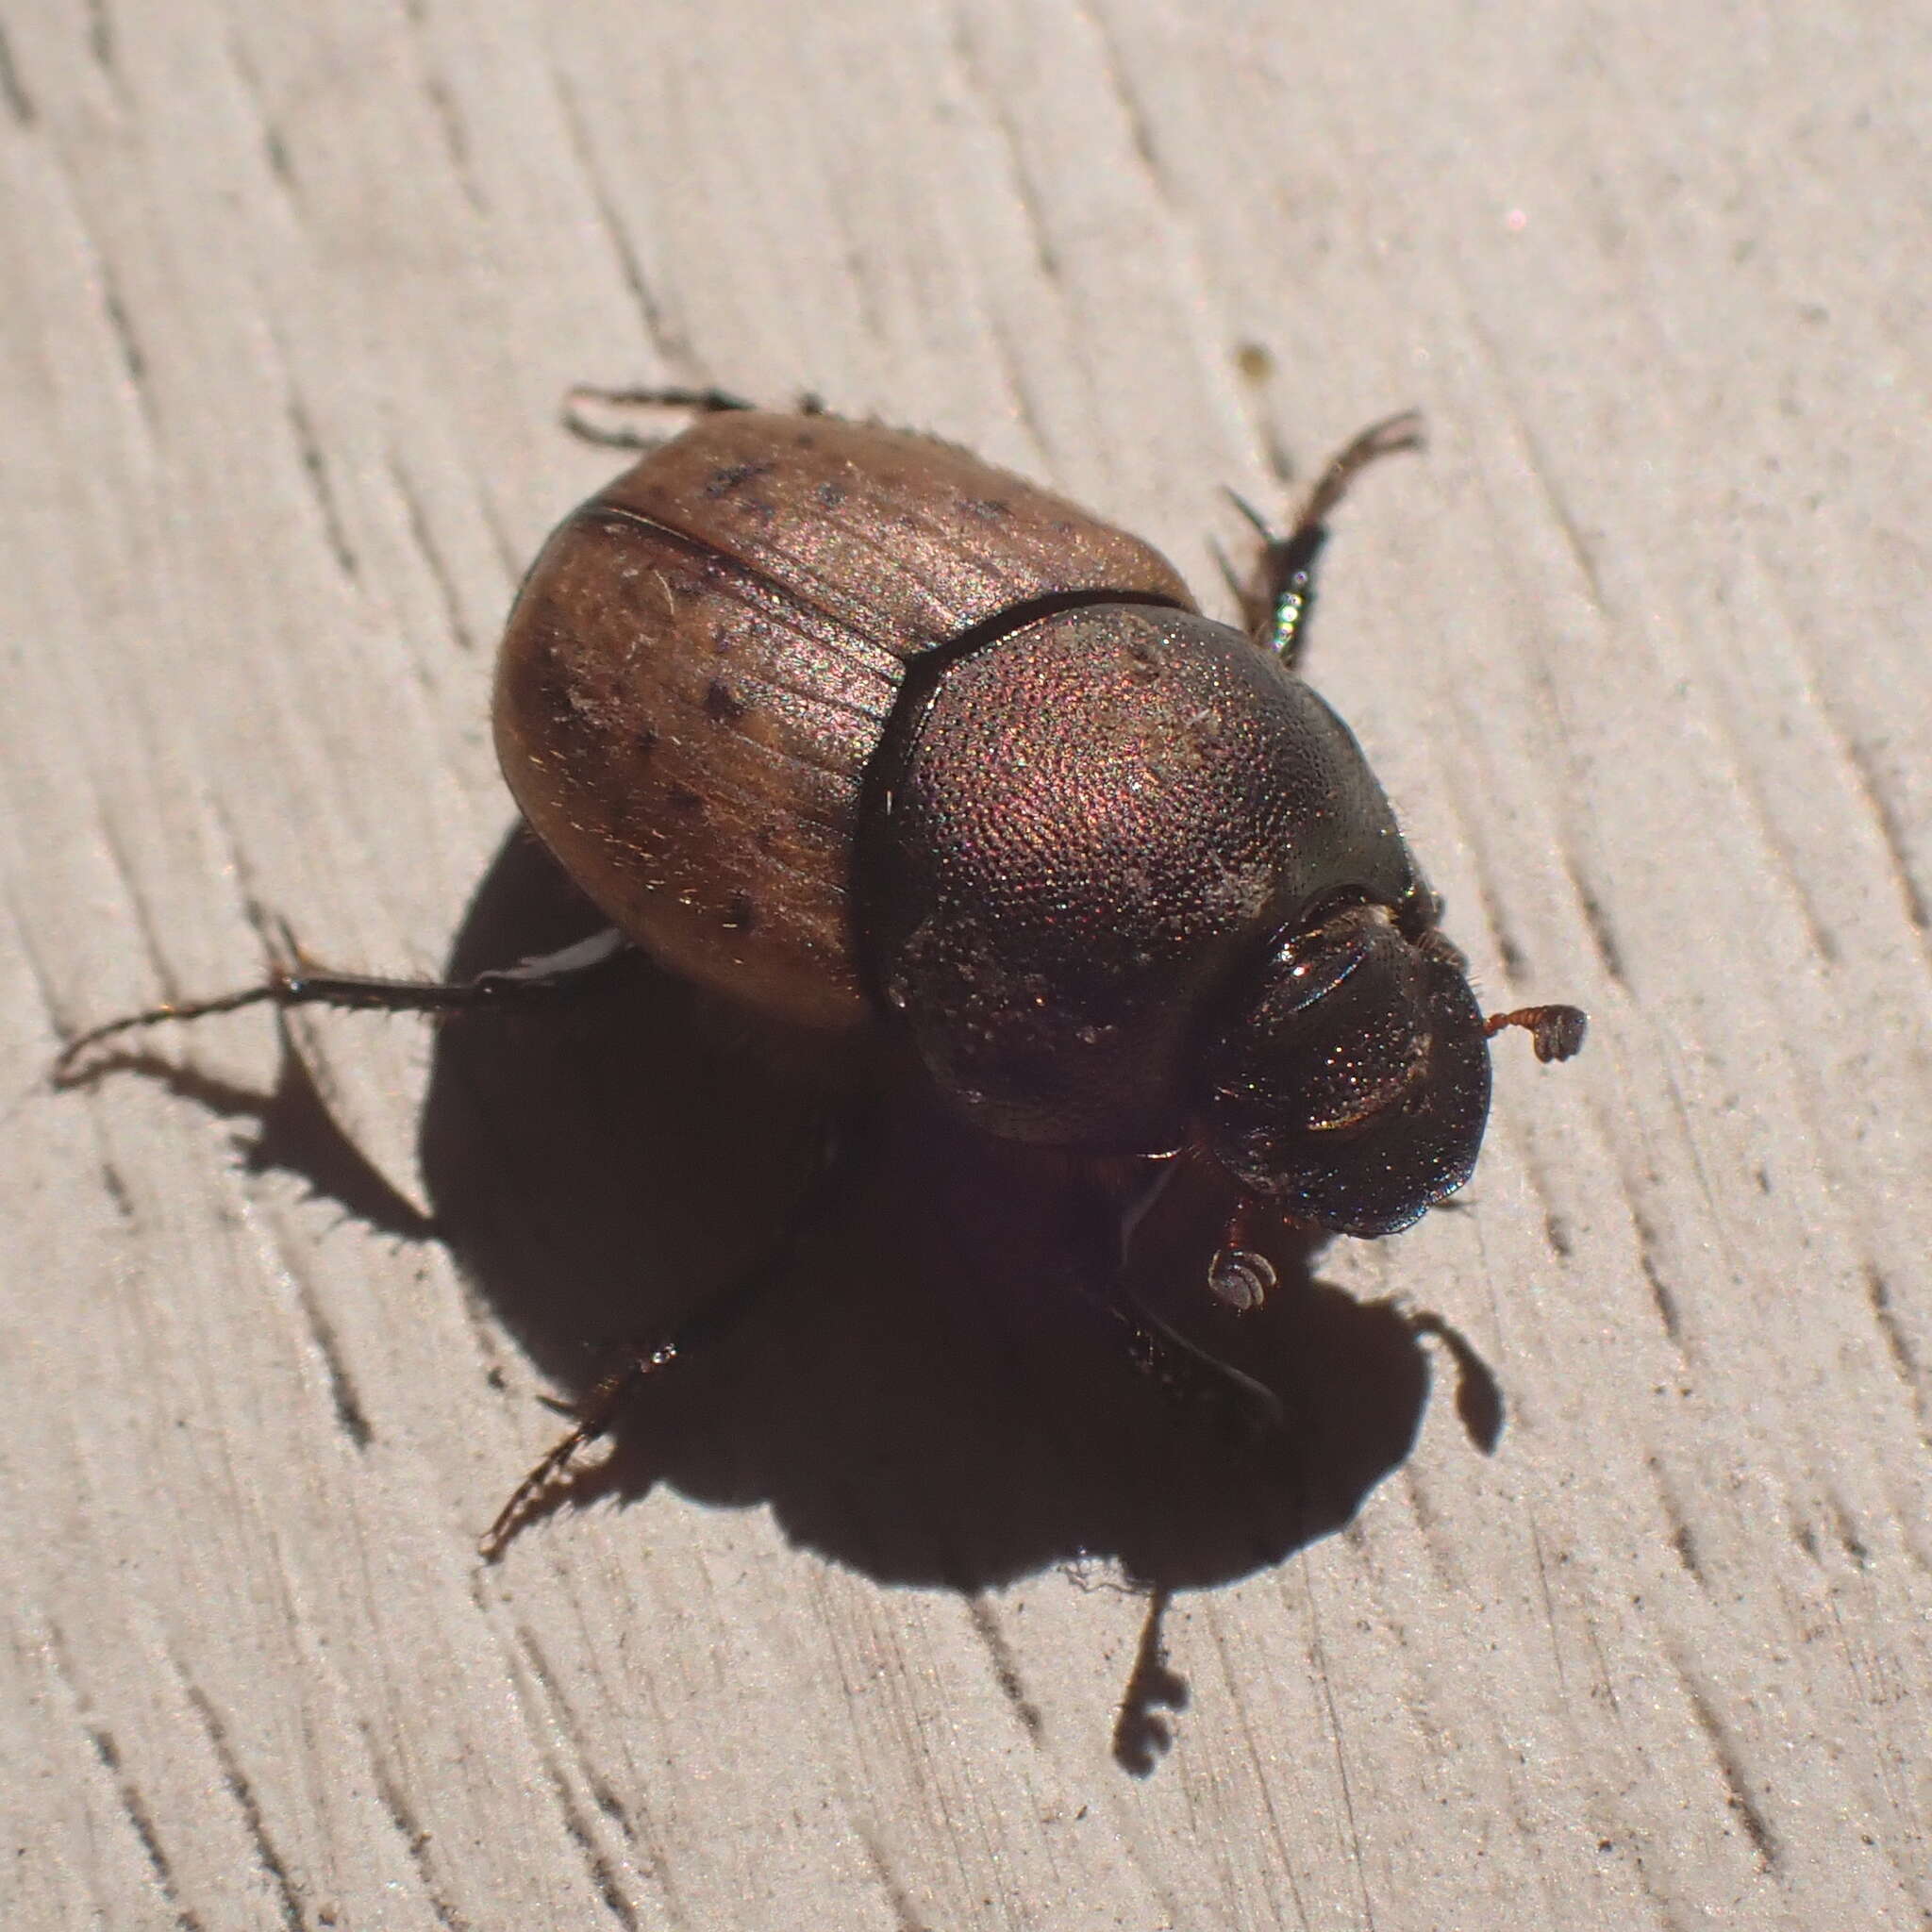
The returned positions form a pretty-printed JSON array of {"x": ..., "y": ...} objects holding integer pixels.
[{"x": 861, "y": 732}]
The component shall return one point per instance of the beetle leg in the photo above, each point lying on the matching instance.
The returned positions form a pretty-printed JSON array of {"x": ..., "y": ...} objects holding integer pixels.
[
  {"x": 293, "y": 980},
  {"x": 1190, "y": 1378},
  {"x": 1278, "y": 596},
  {"x": 1185, "y": 1372},
  {"x": 595, "y": 1415},
  {"x": 600, "y": 1409},
  {"x": 598, "y": 1412},
  {"x": 617, "y": 434}
]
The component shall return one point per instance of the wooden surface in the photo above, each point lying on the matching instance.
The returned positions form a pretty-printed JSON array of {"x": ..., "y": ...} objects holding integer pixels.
[{"x": 853, "y": 1635}]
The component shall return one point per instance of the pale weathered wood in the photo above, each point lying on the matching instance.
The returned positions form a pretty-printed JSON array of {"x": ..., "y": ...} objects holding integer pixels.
[{"x": 291, "y": 295}]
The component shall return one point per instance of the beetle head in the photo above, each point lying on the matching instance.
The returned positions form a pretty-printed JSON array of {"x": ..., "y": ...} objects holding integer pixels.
[{"x": 1353, "y": 1086}]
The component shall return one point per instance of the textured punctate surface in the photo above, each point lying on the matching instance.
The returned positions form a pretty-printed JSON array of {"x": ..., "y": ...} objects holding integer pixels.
[
  {"x": 1090, "y": 826},
  {"x": 702, "y": 663}
]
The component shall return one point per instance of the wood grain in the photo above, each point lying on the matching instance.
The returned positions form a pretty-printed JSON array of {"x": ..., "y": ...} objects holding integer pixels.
[{"x": 1639, "y": 650}]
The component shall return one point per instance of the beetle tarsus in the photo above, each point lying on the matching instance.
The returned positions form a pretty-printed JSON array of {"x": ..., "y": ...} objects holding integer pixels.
[
  {"x": 596, "y": 1414},
  {"x": 1393, "y": 436},
  {"x": 67, "y": 1070},
  {"x": 294, "y": 981},
  {"x": 698, "y": 1332},
  {"x": 1281, "y": 592}
]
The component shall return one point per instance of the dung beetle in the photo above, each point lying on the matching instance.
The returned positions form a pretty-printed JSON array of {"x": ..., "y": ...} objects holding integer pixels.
[{"x": 844, "y": 724}]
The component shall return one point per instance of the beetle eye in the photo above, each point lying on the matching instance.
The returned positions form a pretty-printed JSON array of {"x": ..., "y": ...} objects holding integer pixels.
[{"x": 1353, "y": 1088}]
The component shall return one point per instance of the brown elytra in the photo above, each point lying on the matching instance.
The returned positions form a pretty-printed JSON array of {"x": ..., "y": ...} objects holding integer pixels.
[{"x": 703, "y": 661}]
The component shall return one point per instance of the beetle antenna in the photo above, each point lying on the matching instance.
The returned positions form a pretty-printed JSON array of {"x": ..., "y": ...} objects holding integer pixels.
[
  {"x": 1555, "y": 1033},
  {"x": 1189, "y": 1376},
  {"x": 1240, "y": 1275}
]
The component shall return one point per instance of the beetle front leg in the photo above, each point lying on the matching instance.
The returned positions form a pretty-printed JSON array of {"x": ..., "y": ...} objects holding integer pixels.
[
  {"x": 1190, "y": 1378},
  {"x": 1277, "y": 598},
  {"x": 1186, "y": 1373},
  {"x": 294, "y": 980}
]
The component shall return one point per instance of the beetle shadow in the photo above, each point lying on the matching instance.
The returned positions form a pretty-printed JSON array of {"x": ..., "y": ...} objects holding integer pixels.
[{"x": 917, "y": 1395}]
